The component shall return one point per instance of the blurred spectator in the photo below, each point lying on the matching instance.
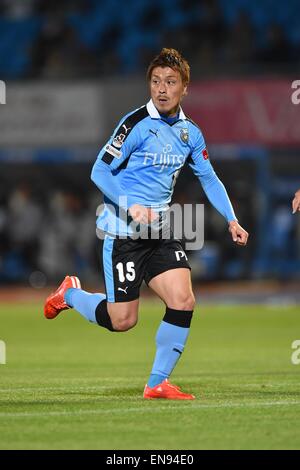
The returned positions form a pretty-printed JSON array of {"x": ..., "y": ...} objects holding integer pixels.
[
  {"x": 83, "y": 38},
  {"x": 24, "y": 221},
  {"x": 107, "y": 58},
  {"x": 281, "y": 229},
  {"x": 58, "y": 51},
  {"x": 240, "y": 46},
  {"x": 17, "y": 8},
  {"x": 212, "y": 26},
  {"x": 57, "y": 236},
  {"x": 45, "y": 7},
  {"x": 67, "y": 240},
  {"x": 278, "y": 50},
  {"x": 4, "y": 240}
]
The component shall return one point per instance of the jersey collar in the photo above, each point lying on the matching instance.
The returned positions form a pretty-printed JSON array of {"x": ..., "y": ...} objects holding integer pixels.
[{"x": 154, "y": 114}]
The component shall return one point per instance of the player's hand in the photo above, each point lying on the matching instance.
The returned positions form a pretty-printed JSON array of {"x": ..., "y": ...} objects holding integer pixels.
[
  {"x": 296, "y": 202},
  {"x": 239, "y": 235},
  {"x": 141, "y": 214}
]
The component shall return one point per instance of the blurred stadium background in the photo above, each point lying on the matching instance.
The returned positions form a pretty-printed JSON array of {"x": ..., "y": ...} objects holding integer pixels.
[{"x": 73, "y": 68}]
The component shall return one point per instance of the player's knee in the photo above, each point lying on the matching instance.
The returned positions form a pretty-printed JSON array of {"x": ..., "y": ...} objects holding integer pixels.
[
  {"x": 123, "y": 316},
  {"x": 124, "y": 323},
  {"x": 184, "y": 301}
]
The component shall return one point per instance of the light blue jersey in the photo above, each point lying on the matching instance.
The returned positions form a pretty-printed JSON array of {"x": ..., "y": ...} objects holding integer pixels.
[{"x": 141, "y": 162}]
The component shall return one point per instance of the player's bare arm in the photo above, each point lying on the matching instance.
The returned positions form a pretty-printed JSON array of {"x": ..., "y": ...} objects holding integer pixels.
[{"x": 296, "y": 202}]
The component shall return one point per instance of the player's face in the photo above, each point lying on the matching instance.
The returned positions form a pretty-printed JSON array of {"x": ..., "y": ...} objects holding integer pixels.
[{"x": 167, "y": 90}]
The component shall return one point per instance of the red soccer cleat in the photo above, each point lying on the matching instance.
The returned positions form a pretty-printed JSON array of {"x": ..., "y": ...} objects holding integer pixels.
[
  {"x": 55, "y": 303},
  {"x": 168, "y": 391}
]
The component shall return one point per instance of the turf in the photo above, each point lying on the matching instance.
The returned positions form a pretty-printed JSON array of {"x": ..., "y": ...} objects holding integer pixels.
[{"x": 71, "y": 385}]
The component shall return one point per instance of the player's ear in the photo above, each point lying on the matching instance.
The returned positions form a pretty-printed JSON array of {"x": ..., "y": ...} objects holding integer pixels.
[{"x": 185, "y": 90}]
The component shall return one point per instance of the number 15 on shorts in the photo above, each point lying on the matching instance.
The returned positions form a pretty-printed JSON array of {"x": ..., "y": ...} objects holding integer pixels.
[{"x": 126, "y": 271}]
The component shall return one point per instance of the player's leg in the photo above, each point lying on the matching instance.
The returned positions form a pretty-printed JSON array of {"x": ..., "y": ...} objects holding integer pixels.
[
  {"x": 117, "y": 310},
  {"x": 169, "y": 277},
  {"x": 174, "y": 288},
  {"x": 114, "y": 316},
  {"x": 123, "y": 315},
  {"x": 118, "y": 316}
]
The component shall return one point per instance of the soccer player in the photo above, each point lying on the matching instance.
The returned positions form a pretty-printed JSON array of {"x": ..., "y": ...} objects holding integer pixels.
[
  {"x": 296, "y": 202},
  {"x": 136, "y": 171}
]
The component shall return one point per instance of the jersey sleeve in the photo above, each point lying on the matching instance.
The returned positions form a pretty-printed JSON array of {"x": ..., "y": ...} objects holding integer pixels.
[
  {"x": 121, "y": 144},
  {"x": 212, "y": 186},
  {"x": 124, "y": 141}
]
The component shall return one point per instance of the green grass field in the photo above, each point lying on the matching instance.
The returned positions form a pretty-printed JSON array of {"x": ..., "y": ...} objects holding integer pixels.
[{"x": 71, "y": 385}]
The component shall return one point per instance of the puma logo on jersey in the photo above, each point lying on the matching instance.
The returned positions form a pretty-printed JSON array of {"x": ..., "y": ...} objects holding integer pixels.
[
  {"x": 123, "y": 290},
  {"x": 127, "y": 129},
  {"x": 120, "y": 138},
  {"x": 155, "y": 132}
]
